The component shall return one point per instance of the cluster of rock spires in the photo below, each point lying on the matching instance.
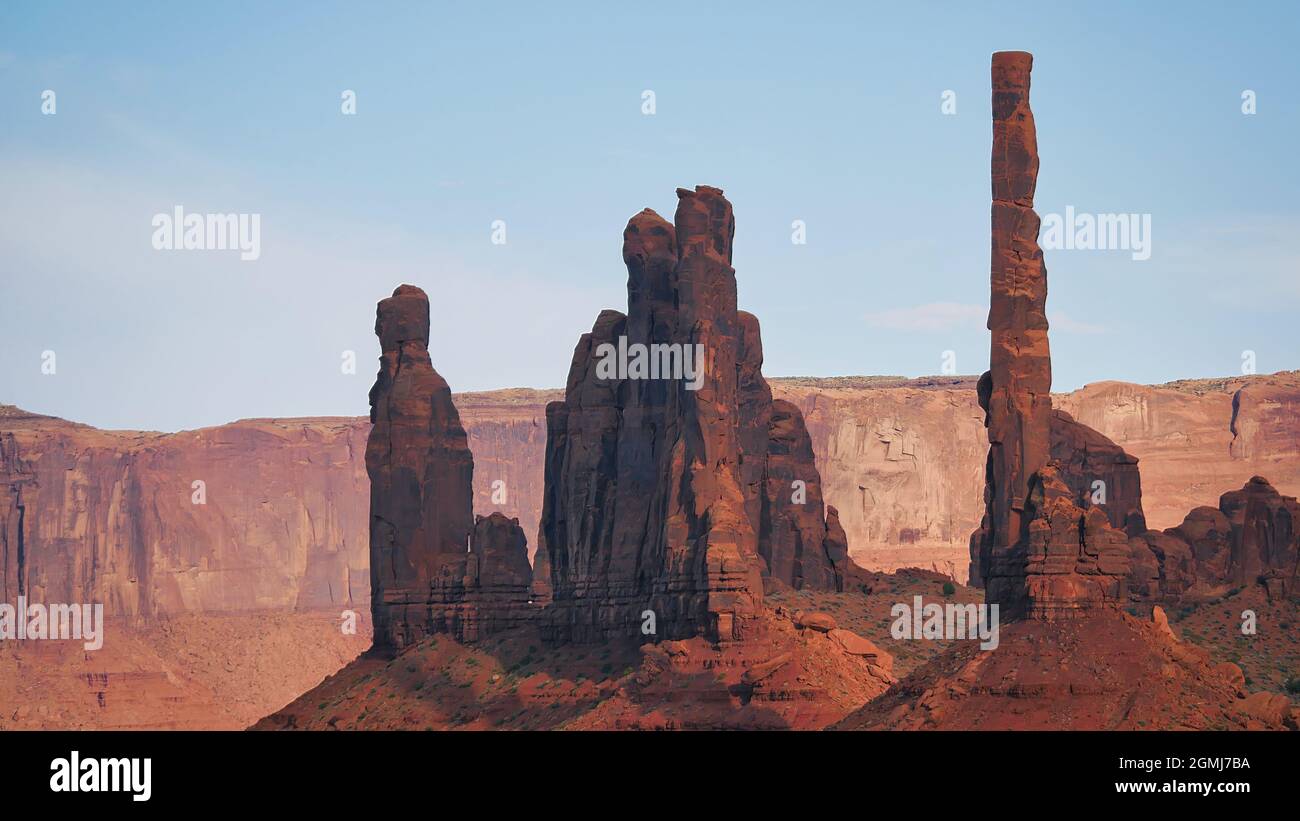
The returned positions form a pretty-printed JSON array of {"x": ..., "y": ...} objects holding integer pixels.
[
  {"x": 667, "y": 499},
  {"x": 666, "y": 496},
  {"x": 1047, "y": 545},
  {"x": 434, "y": 567},
  {"x": 672, "y": 500}
]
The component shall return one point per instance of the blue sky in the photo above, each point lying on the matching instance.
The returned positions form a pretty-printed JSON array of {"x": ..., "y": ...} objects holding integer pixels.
[{"x": 531, "y": 114}]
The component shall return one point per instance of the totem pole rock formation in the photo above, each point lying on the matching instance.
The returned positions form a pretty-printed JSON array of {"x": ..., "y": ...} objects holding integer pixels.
[
  {"x": 1037, "y": 552},
  {"x": 671, "y": 500},
  {"x": 433, "y": 568}
]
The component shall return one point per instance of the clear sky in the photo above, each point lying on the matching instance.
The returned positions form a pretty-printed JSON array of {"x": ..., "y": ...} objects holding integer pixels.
[{"x": 532, "y": 114}]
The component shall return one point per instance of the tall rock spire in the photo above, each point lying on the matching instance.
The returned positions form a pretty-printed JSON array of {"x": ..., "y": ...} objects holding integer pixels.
[
  {"x": 1016, "y": 390},
  {"x": 1037, "y": 552}
]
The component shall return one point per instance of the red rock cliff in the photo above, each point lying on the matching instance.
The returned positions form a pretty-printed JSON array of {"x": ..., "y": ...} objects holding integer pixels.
[{"x": 261, "y": 514}]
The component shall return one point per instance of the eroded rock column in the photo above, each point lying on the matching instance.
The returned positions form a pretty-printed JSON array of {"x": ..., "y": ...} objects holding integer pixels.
[
  {"x": 433, "y": 569},
  {"x": 1037, "y": 552}
]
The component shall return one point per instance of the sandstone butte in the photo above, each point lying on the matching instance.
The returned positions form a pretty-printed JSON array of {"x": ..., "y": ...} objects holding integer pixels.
[{"x": 1058, "y": 568}]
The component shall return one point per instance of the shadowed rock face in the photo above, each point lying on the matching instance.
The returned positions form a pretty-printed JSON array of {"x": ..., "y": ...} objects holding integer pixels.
[
  {"x": 1095, "y": 468},
  {"x": 1250, "y": 537},
  {"x": 421, "y": 476},
  {"x": 1200, "y": 438},
  {"x": 498, "y": 579},
  {"x": 427, "y": 575},
  {"x": 1038, "y": 553},
  {"x": 670, "y": 499},
  {"x": 794, "y": 539},
  {"x": 1265, "y": 532}
]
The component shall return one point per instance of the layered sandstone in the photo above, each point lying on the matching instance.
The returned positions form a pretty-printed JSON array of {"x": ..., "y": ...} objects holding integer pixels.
[
  {"x": 433, "y": 567},
  {"x": 261, "y": 514},
  {"x": 498, "y": 579},
  {"x": 1198, "y": 439},
  {"x": 285, "y": 520},
  {"x": 672, "y": 497},
  {"x": 901, "y": 461},
  {"x": 1038, "y": 553},
  {"x": 1015, "y": 393}
]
